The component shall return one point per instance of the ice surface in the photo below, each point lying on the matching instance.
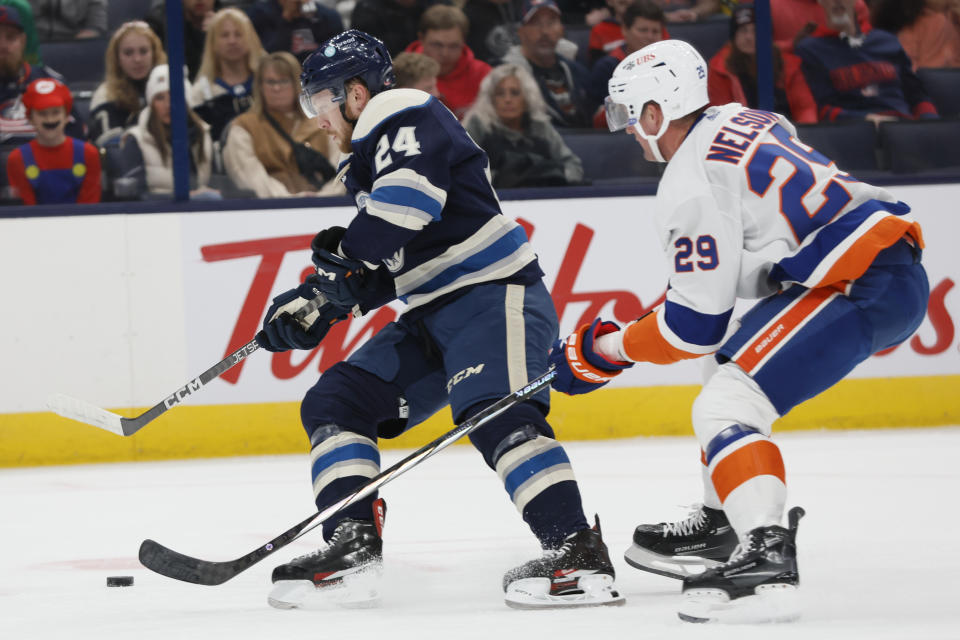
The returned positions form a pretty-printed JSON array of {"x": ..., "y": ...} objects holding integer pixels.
[{"x": 878, "y": 548}]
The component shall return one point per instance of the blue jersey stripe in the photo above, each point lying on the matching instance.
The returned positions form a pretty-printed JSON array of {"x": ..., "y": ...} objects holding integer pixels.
[
  {"x": 725, "y": 438},
  {"x": 533, "y": 466},
  {"x": 356, "y": 451},
  {"x": 801, "y": 265},
  {"x": 502, "y": 248},
  {"x": 408, "y": 197},
  {"x": 693, "y": 327}
]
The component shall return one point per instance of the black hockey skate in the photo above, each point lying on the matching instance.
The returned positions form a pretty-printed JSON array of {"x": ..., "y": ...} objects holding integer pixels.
[
  {"x": 758, "y": 584},
  {"x": 347, "y": 570},
  {"x": 684, "y": 548},
  {"x": 578, "y": 574}
]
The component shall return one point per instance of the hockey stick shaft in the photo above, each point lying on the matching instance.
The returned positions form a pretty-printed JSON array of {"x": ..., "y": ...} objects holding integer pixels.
[
  {"x": 88, "y": 413},
  {"x": 178, "y": 566}
]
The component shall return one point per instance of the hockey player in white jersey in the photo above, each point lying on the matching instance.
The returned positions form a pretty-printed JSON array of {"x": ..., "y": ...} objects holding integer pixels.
[{"x": 746, "y": 210}]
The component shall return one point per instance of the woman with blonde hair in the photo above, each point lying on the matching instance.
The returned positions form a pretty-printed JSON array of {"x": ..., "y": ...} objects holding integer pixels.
[
  {"x": 273, "y": 149},
  {"x": 509, "y": 121},
  {"x": 133, "y": 51},
  {"x": 223, "y": 86}
]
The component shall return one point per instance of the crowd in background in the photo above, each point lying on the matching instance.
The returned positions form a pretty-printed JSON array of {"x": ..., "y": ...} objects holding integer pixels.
[{"x": 504, "y": 67}]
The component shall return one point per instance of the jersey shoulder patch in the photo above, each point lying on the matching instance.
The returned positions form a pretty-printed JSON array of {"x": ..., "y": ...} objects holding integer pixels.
[{"x": 386, "y": 105}]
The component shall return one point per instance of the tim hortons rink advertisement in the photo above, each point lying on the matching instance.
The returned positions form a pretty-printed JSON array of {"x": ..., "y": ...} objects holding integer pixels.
[
  {"x": 601, "y": 256},
  {"x": 120, "y": 310}
]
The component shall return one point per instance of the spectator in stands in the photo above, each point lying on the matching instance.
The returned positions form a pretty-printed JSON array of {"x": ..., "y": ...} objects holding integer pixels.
[
  {"x": 442, "y": 36},
  {"x": 607, "y": 35},
  {"x": 286, "y": 25},
  {"x": 689, "y": 10},
  {"x": 260, "y": 157},
  {"x": 53, "y": 168},
  {"x": 416, "y": 71},
  {"x": 152, "y": 135},
  {"x": 395, "y": 22},
  {"x": 15, "y": 75},
  {"x": 794, "y": 20},
  {"x": 58, "y": 20},
  {"x": 642, "y": 24},
  {"x": 31, "y": 52},
  {"x": 563, "y": 83},
  {"x": 492, "y": 27},
  {"x": 196, "y": 17},
  {"x": 509, "y": 121},
  {"x": 133, "y": 51},
  {"x": 928, "y": 31},
  {"x": 860, "y": 75},
  {"x": 733, "y": 73},
  {"x": 223, "y": 88}
]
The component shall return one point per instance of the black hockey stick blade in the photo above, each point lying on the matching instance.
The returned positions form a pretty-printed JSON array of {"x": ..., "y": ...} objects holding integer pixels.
[
  {"x": 170, "y": 563},
  {"x": 83, "y": 411}
]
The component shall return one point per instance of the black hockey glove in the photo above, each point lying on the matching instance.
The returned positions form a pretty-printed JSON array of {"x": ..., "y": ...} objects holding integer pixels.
[
  {"x": 349, "y": 283},
  {"x": 282, "y": 332},
  {"x": 328, "y": 239}
]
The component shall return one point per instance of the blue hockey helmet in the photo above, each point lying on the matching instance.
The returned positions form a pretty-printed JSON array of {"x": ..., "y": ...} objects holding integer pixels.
[{"x": 348, "y": 55}]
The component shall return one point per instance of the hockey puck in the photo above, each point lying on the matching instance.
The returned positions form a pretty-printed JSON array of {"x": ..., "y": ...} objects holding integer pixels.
[{"x": 119, "y": 581}]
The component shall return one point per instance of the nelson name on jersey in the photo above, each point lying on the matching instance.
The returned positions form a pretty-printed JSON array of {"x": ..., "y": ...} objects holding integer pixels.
[
  {"x": 426, "y": 215},
  {"x": 735, "y": 138}
]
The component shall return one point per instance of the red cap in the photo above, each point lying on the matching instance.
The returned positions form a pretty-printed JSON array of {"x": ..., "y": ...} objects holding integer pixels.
[{"x": 45, "y": 93}]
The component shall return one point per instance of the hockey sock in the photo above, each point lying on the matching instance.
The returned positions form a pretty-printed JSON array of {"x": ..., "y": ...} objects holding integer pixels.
[
  {"x": 710, "y": 497},
  {"x": 747, "y": 472},
  {"x": 340, "y": 462}
]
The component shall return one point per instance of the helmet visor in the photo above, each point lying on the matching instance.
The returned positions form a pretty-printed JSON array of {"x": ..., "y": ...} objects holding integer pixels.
[
  {"x": 618, "y": 116},
  {"x": 319, "y": 103}
]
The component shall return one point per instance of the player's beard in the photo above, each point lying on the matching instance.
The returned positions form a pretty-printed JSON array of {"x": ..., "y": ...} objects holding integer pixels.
[
  {"x": 10, "y": 68},
  {"x": 344, "y": 137}
]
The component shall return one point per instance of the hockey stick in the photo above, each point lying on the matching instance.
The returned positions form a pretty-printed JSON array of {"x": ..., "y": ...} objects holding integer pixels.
[
  {"x": 167, "y": 562},
  {"x": 83, "y": 411}
]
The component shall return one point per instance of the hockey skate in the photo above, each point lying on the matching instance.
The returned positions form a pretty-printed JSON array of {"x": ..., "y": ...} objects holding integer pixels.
[
  {"x": 345, "y": 572},
  {"x": 578, "y": 574},
  {"x": 758, "y": 584},
  {"x": 684, "y": 548}
]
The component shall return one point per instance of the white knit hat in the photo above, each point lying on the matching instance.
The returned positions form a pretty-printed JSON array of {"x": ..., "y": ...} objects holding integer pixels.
[{"x": 159, "y": 81}]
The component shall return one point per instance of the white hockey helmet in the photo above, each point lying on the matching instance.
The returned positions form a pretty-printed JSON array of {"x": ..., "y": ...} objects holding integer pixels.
[{"x": 670, "y": 72}]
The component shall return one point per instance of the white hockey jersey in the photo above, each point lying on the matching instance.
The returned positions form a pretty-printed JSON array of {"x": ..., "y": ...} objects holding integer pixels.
[{"x": 745, "y": 209}]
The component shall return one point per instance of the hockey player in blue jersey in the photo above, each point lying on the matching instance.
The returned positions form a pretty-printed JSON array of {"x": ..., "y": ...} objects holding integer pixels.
[{"x": 479, "y": 323}]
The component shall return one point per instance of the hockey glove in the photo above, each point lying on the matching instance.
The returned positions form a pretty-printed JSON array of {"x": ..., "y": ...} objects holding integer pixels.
[
  {"x": 349, "y": 283},
  {"x": 580, "y": 369},
  {"x": 328, "y": 239},
  {"x": 282, "y": 332}
]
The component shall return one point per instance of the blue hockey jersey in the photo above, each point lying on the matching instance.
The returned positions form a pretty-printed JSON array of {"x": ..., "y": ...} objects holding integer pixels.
[
  {"x": 853, "y": 76},
  {"x": 426, "y": 209}
]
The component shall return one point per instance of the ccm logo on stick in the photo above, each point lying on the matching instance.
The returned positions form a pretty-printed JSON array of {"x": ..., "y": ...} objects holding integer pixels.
[{"x": 177, "y": 397}]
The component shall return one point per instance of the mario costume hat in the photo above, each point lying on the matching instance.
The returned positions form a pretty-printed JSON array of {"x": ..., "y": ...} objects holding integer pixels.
[
  {"x": 45, "y": 93},
  {"x": 530, "y": 8},
  {"x": 11, "y": 17}
]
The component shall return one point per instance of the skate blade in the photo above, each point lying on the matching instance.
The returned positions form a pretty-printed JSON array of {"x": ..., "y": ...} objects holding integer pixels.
[
  {"x": 678, "y": 567},
  {"x": 534, "y": 593},
  {"x": 770, "y": 603},
  {"x": 358, "y": 590}
]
